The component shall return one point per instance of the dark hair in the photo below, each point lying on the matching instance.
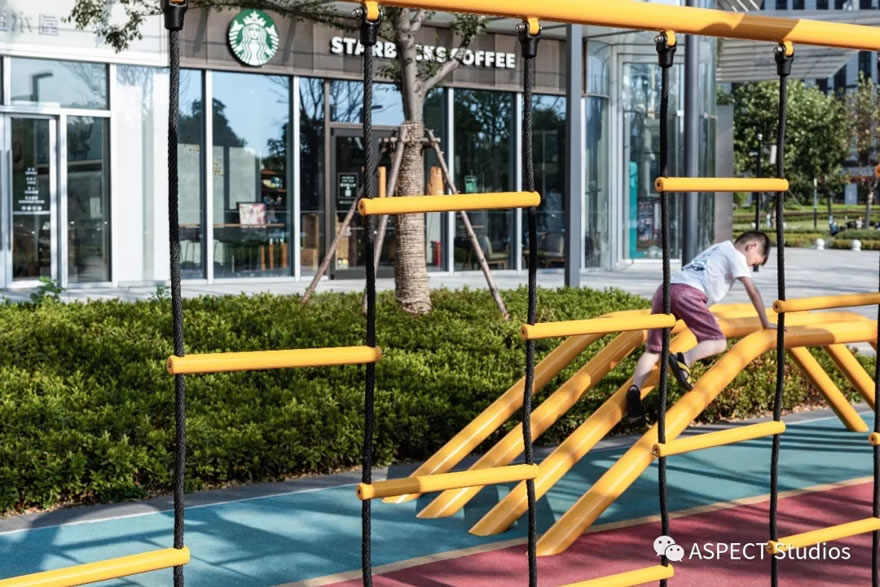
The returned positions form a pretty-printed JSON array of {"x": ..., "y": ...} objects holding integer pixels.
[{"x": 756, "y": 236}]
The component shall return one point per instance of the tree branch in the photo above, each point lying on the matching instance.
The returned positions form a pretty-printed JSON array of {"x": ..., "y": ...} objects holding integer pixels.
[{"x": 417, "y": 20}]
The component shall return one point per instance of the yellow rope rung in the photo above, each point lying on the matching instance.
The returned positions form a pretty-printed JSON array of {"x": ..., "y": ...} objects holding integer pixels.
[
  {"x": 719, "y": 184},
  {"x": 638, "y": 577},
  {"x": 826, "y": 302},
  {"x": 596, "y": 326},
  {"x": 823, "y": 535},
  {"x": 442, "y": 482},
  {"x": 113, "y": 568},
  {"x": 722, "y": 437},
  {"x": 255, "y": 360},
  {"x": 422, "y": 204},
  {"x": 874, "y": 438}
]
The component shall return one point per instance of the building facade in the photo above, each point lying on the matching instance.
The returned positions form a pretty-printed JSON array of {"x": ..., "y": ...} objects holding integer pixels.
[{"x": 271, "y": 152}]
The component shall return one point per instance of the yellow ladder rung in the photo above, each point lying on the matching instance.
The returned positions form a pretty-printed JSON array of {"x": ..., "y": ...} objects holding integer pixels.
[
  {"x": 113, "y": 568},
  {"x": 442, "y": 482},
  {"x": 719, "y": 184},
  {"x": 595, "y": 326},
  {"x": 420, "y": 204},
  {"x": 638, "y": 577},
  {"x": 874, "y": 438},
  {"x": 823, "y": 535},
  {"x": 710, "y": 439},
  {"x": 827, "y": 302},
  {"x": 252, "y": 361}
]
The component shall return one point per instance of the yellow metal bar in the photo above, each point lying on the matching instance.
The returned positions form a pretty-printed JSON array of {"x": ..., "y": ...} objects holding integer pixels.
[
  {"x": 498, "y": 412},
  {"x": 719, "y": 184},
  {"x": 813, "y": 371},
  {"x": 596, "y": 326},
  {"x": 874, "y": 438},
  {"x": 557, "y": 403},
  {"x": 444, "y": 481},
  {"x": 735, "y": 320},
  {"x": 851, "y": 368},
  {"x": 251, "y": 361},
  {"x": 658, "y": 17},
  {"x": 418, "y": 204},
  {"x": 638, "y": 458},
  {"x": 823, "y": 535},
  {"x": 877, "y": 171},
  {"x": 722, "y": 437},
  {"x": 113, "y": 568},
  {"x": 826, "y": 302},
  {"x": 372, "y": 8},
  {"x": 630, "y": 578},
  {"x": 534, "y": 26}
]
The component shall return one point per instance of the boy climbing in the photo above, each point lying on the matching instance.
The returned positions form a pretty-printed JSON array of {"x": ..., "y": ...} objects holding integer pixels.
[{"x": 701, "y": 283}]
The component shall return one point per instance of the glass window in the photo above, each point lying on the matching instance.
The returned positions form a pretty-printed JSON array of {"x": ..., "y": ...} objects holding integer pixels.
[
  {"x": 641, "y": 106},
  {"x": 190, "y": 163},
  {"x": 68, "y": 84},
  {"x": 311, "y": 173},
  {"x": 485, "y": 162},
  {"x": 598, "y": 70},
  {"x": 88, "y": 200},
  {"x": 347, "y": 103},
  {"x": 797, "y": 5},
  {"x": 251, "y": 125},
  {"x": 866, "y": 64},
  {"x": 435, "y": 223},
  {"x": 548, "y": 124},
  {"x": 596, "y": 185},
  {"x": 781, "y": 4}
]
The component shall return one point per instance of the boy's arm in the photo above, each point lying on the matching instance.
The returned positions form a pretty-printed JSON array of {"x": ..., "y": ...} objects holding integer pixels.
[{"x": 755, "y": 297}]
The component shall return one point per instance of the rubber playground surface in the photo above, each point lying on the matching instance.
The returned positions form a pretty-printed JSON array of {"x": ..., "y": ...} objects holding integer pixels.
[{"x": 312, "y": 536}]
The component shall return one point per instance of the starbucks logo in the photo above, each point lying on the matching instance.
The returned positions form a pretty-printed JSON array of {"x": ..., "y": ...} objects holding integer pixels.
[{"x": 253, "y": 37}]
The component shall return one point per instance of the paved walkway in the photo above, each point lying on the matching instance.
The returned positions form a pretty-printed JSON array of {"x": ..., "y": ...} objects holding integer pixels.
[{"x": 308, "y": 531}]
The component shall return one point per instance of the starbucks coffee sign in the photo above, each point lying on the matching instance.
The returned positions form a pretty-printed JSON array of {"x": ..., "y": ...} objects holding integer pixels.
[{"x": 253, "y": 38}]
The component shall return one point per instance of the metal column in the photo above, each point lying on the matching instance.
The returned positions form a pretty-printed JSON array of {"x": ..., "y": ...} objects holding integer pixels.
[
  {"x": 574, "y": 188},
  {"x": 689, "y": 217}
]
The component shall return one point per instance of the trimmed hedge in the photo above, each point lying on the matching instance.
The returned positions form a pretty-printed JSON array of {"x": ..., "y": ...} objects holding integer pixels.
[{"x": 86, "y": 406}]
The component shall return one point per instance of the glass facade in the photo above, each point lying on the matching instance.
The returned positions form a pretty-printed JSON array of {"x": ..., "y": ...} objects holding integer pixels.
[
  {"x": 597, "y": 188},
  {"x": 251, "y": 215},
  {"x": 190, "y": 167},
  {"x": 64, "y": 84},
  {"x": 311, "y": 173}
]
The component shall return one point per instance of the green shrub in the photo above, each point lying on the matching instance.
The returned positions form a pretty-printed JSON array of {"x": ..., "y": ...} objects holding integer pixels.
[
  {"x": 87, "y": 409},
  {"x": 860, "y": 234},
  {"x": 867, "y": 245}
]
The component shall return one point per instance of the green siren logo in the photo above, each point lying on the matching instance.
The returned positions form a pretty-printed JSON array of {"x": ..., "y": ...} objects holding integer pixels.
[{"x": 253, "y": 37}]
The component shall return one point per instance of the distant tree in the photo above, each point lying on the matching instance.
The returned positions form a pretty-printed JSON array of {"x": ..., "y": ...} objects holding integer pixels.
[{"x": 862, "y": 109}]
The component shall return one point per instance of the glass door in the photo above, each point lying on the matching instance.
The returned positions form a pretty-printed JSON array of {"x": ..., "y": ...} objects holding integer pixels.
[{"x": 30, "y": 194}]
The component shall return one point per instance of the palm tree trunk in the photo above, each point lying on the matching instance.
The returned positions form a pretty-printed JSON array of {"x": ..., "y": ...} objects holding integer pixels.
[{"x": 410, "y": 266}]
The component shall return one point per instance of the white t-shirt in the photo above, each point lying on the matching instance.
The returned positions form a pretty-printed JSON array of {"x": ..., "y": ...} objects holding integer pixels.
[{"x": 714, "y": 270}]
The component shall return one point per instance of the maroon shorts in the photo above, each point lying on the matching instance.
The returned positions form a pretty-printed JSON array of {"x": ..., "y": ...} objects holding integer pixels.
[{"x": 688, "y": 304}]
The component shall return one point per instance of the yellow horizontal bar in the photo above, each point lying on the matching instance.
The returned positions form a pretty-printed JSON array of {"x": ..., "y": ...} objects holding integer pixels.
[
  {"x": 595, "y": 326},
  {"x": 826, "y": 302},
  {"x": 658, "y": 17},
  {"x": 639, "y": 577},
  {"x": 719, "y": 184},
  {"x": 874, "y": 438},
  {"x": 710, "y": 439},
  {"x": 823, "y": 535},
  {"x": 446, "y": 481},
  {"x": 252, "y": 361},
  {"x": 113, "y": 568},
  {"x": 877, "y": 171},
  {"x": 419, "y": 204}
]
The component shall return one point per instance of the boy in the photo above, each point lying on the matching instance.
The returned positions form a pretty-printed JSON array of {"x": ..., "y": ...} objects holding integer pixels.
[{"x": 701, "y": 283}]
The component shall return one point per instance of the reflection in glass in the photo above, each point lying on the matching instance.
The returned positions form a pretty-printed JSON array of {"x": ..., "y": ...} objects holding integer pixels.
[
  {"x": 189, "y": 167},
  {"x": 435, "y": 222},
  {"x": 251, "y": 212},
  {"x": 485, "y": 162},
  {"x": 596, "y": 185},
  {"x": 31, "y": 201},
  {"x": 88, "y": 200},
  {"x": 68, "y": 84},
  {"x": 347, "y": 103},
  {"x": 641, "y": 106},
  {"x": 311, "y": 176},
  {"x": 548, "y": 124}
]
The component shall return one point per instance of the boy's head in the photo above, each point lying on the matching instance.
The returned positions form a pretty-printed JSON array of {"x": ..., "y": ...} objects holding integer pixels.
[{"x": 755, "y": 245}]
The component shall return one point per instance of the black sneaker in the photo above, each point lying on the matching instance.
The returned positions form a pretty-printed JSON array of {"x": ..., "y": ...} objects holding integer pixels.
[
  {"x": 681, "y": 371},
  {"x": 635, "y": 413}
]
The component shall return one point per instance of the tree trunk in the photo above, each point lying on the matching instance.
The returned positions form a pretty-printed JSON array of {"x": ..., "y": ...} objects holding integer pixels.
[
  {"x": 410, "y": 266},
  {"x": 870, "y": 201}
]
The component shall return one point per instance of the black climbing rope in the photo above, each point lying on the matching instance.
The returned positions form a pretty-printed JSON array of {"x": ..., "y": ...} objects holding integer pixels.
[
  {"x": 369, "y": 33},
  {"x": 665, "y": 55},
  {"x": 529, "y": 45},
  {"x": 174, "y": 14},
  {"x": 783, "y": 69}
]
